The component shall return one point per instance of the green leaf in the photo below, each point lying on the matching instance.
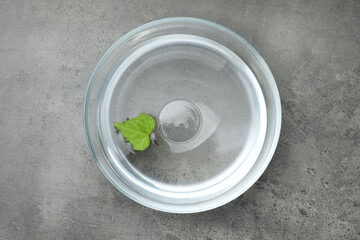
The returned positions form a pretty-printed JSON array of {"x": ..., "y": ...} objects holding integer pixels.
[{"x": 137, "y": 130}]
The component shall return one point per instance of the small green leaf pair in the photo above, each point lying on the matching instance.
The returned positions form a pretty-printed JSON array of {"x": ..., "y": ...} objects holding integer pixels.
[{"x": 137, "y": 131}]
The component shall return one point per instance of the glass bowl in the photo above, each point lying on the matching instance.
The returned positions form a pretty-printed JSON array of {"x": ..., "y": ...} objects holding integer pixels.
[{"x": 215, "y": 103}]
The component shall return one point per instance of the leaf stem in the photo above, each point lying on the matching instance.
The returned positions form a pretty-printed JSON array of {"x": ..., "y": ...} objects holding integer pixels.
[{"x": 156, "y": 142}]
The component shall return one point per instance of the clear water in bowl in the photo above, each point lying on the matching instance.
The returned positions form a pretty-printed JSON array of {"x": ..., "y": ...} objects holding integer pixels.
[{"x": 209, "y": 110}]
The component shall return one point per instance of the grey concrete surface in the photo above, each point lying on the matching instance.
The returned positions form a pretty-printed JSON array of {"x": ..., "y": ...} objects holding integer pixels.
[{"x": 50, "y": 186}]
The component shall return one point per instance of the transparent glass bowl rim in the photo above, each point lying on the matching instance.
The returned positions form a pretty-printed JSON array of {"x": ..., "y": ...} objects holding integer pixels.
[{"x": 274, "y": 89}]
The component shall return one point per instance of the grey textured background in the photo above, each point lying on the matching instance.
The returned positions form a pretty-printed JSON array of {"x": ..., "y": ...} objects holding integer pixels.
[{"x": 50, "y": 186}]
